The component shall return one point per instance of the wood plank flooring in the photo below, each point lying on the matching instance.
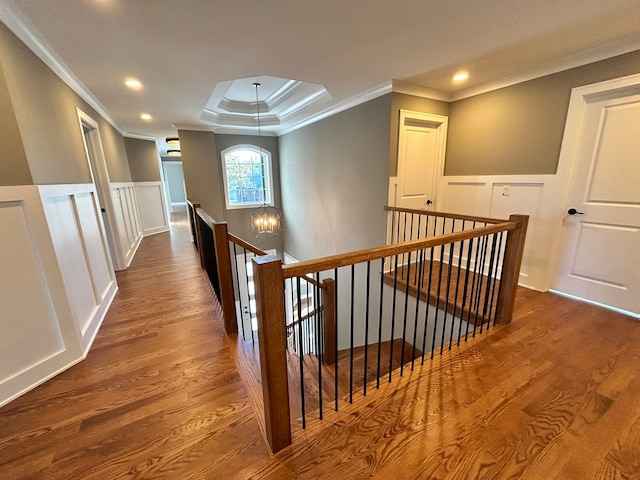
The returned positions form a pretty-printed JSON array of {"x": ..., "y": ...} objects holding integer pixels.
[
  {"x": 555, "y": 395},
  {"x": 467, "y": 303}
]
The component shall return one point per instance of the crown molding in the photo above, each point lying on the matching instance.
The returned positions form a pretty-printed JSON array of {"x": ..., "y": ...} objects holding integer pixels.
[
  {"x": 400, "y": 86},
  {"x": 339, "y": 107},
  {"x": 141, "y": 137},
  {"x": 230, "y": 130},
  {"x": 596, "y": 54},
  {"x": 22, "y": 28}
]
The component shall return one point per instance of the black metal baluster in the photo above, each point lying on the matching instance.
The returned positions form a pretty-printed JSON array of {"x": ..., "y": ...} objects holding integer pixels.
[
  {"x": 465, "y": 290},
  {"x": 415, "y": 280},
  {"x": 297, "y": 331},
  {"x": 320, "y": 330},
  {"x": 404, "y": 322},
  {"x": 393, "y": 228},
  {"x": 418, "y": 295},
  {"x": 351, "y": 332},
  {"x": 472, "y": 294},
  {"x": 393, "y": 314},
  {"x": 301, "y": 356},
  {"x": 480, "y": 281},
  {"x": 404, "y": 239},
  {"x": 335, "y": 333},
  {"x": 380, "y": 320},
  {"x": 487, "y": 305},
  {"x": 308, "y": 319},
  {"x": 455, "y": 295},
  {"x": 366, "y": 329},
  {"x": 447, "y": 290},
  {"x": 435, "y": 321},
  {"x": 429, "y": 281},
  {"x": 404, "y": 228}
]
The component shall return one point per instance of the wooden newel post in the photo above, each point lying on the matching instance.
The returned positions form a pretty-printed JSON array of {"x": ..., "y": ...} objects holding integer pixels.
[
  {"x": 329, "y": 287},
  {"x": 511, "y": 269},
  {"x": 269, "y": 292},
  {"x": 225, "y": 276}
]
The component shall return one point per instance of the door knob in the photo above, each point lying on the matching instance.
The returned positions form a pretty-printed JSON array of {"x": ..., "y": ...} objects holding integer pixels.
[
  {"x": 573, "y": 211},
  {"x": 428, "y": 202}
]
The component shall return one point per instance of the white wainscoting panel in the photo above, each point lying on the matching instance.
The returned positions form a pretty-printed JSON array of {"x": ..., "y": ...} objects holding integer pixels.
[
  {"x": 151, "y": 205},
  {"x": 502, "y": 195},
  {"x": 467, "y": 198},
  {"x": 39, "y": 337},
  {"x": 127, "y": 219},
  {"x": 77, "y": 232}
]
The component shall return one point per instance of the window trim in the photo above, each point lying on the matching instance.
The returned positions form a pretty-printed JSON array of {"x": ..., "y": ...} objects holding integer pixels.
[{"x": 268, "y": 175}]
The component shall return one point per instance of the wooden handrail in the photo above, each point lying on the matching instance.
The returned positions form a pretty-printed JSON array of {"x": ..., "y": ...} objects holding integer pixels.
[
  {"x": 246, "y": 245},
  {"x": 208, "y": 219},
  {"x": 342, "y": 260},
  {"x": 312, "y": 281},
  {"x": 456, "y": 216},
  {"x": 305, "y": 316}
]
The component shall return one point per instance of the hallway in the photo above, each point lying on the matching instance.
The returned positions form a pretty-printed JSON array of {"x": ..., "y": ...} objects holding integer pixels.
[
  {"x": 158, "y": 395},
  {"x": 554, "y": 395}
]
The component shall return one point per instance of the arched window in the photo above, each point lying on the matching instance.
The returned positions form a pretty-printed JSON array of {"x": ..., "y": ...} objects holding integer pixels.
[{"x": 246, "y": 171}]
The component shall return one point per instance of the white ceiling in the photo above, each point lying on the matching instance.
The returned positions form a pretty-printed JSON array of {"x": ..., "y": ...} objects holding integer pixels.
[{"x": 355, "y": 49}]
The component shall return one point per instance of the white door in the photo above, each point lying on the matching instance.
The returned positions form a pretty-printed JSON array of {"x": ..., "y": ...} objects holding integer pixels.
[
  {"x": 600, "y": 250},
  {"x": 421, "y": 147}
]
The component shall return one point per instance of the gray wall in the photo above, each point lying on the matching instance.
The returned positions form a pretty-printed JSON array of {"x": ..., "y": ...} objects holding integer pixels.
[
  {"x": 143, "y": 160},
  {"x": 201, "y": 172},
  {"x": 238, "y": 218},
  {"x": 400, "y": 101},
  {"x": 334, "y": 176},
  {"x": 14, "y": 168},
  {"x": 45, "y": 111},
  {"x": 519, "y": 129}
]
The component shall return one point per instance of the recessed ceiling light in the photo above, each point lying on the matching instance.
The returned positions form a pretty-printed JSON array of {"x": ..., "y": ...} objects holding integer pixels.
[
  {"x": 133, "y": 83},
  {"x": 146, "y": 117},
  {"x": 460, "y": 77},
  {"x": 173, "y": 153},
  {"x": 173, "y": 141}
]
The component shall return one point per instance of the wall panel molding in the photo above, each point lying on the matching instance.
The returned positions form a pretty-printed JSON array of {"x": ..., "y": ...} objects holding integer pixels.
[
  {"x": 125, "y": 208},
  {"x": 77, "y": 231},
  {"x": 151, "y": 207},
  {"x": 39, "y": 335},
  {"x": 499, "y": 196}
]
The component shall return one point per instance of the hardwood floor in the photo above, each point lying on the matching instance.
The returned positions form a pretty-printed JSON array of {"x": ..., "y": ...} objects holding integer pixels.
[
  {"x": 468, "y": 303},
  {"x": 555, "y": 395}
]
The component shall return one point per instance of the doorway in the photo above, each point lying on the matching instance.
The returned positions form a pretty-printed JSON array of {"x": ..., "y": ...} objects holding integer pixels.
[
  {"x": 100, "y": 178},
  {"x": 421, "y": 148},
  {"x": 599, "y": 249},
  {"x": 174, "y": 184}
]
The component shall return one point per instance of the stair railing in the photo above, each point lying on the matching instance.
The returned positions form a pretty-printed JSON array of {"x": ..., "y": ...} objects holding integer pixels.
[
  {"x": 471, "y": 266},
  {"x": 364, "y": 315}
]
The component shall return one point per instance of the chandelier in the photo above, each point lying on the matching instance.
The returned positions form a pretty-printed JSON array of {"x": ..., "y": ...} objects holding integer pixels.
[{"x": 265, "y": 220}]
